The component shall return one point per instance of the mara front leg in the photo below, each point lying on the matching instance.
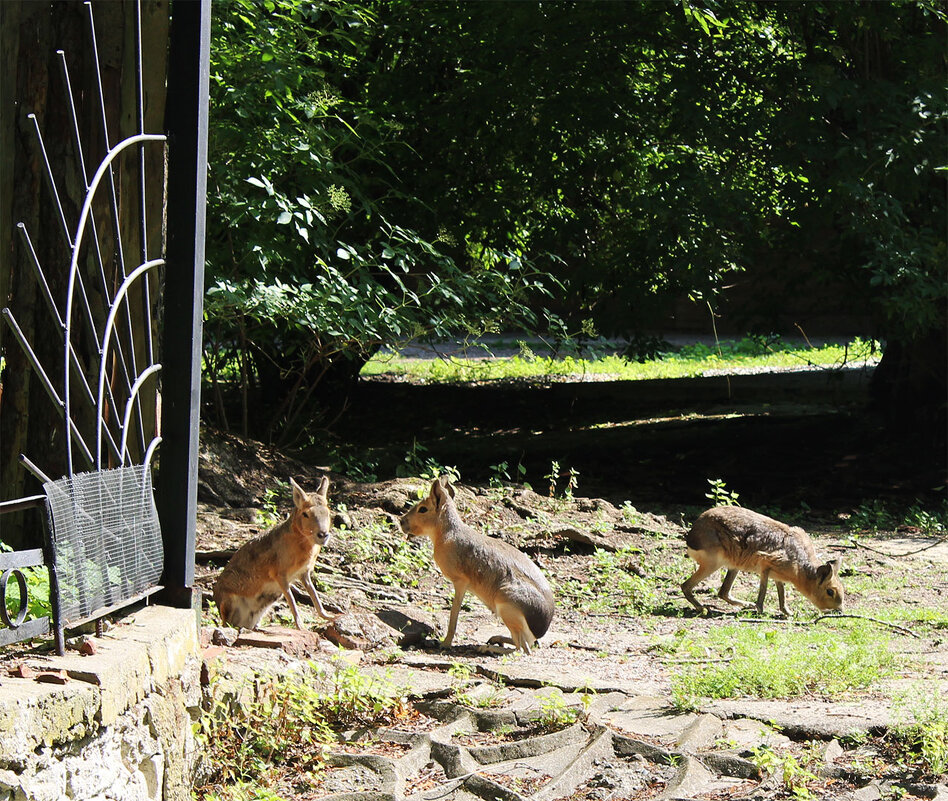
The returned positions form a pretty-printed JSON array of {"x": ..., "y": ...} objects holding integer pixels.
[
  {"x": 308, "y": 581},
  {"x": 460, "y": 588},
  {"x": 762, "y": 592}
]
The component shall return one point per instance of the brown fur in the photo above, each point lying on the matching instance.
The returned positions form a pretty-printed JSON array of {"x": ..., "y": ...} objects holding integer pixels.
[
  {"x": 505, "y": 579},
  {"x": 264, "y": 568},
  {"x": 739, "y": 539}
]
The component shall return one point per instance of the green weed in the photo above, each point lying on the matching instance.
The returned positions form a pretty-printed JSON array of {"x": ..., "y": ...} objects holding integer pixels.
[
  {"x": 399, "y": 562},
  {"x": 37, "y": 591},
  {"x": 555, "y": 712},
  {"x": 794, "y": 774},
  {"x": 276, "y": 726},
  {"x": 269, "y": 513},
  {"x": 556, "y": 473},
  {"x": 732, "y": 661},
  {"x": 501, "y": 474},
  {"x": 720, "y": 495},
  {"x": 924, "y": 730},
  {"x": 418, "y": 464}
]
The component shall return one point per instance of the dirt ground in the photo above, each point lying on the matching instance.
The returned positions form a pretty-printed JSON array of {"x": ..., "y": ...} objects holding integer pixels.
[{"x": 396, "y": 605}]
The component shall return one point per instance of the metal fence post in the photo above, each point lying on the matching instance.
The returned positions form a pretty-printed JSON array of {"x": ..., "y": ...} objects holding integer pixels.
[{"x": 186, "y": 126}]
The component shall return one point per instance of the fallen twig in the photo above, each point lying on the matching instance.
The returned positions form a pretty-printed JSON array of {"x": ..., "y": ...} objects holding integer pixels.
[
  {"x": 893, "y": 626},
  {"x": 931, "y": 545}
]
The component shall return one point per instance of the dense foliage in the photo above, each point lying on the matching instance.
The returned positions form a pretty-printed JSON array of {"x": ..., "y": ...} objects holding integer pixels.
[{"x": 388, "y": 170}]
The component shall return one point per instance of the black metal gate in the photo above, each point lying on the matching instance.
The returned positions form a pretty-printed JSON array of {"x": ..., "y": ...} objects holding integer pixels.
[{"x": 104, "y": 546}]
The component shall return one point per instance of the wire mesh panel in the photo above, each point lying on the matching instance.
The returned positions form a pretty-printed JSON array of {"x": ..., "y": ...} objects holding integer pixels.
[{"x": 106, "y": 539}]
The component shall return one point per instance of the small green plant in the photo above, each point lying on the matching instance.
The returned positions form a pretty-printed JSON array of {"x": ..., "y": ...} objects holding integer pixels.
[
  {"x": 924, "y": 731},
  {"x": 418, "y": 463},
  {"x": 553, "y": 476},
  {"x": 793, "y": 774},
  {"x": 720, "y": 495},
  {"x": 501, "y": 474},
  {"x": 555, "y": 712},
  {"x": 630, "y": 514},
  {"x": 932, "y": 523},
  {"x": 269, "y": 513},
  {"x": 556, "y": 473},
  {"x": 37, "y": 591}
]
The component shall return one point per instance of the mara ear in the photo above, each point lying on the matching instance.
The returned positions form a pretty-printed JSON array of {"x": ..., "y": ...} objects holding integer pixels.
[
  {"x": 445, "y": 482},
  {"x": 322, "y": 492},
  {"x": 823, "y": 572},
  {"x": 299, "y": 496},
  {"x": 436, "y": 493},
  {"x": 837, "y": 565}
]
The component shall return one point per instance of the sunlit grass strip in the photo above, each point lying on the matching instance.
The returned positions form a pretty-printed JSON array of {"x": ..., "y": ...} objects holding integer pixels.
[
  {"x": 688, "y": 362},
  {"x": 767, "y": 661}
]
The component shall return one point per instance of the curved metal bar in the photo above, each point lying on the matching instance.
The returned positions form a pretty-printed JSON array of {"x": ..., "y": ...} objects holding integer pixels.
[
  {"x": 74, "y": 261},
  {"x": 47, "y": 384},
  {"x": 14, "y": 623},
  {"x": 77, "y": 143},
  {"x": 152, "y": 447},
  {"x": 132, "y": 399},
  {"x": 137, "y": 273}
]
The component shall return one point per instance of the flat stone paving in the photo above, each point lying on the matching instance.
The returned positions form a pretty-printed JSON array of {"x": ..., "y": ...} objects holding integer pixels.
[{"x": 627, "y": 742}]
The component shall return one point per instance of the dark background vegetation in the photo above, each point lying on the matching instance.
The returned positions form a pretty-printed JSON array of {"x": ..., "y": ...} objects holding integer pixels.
[{"x": 383, "y": 171}]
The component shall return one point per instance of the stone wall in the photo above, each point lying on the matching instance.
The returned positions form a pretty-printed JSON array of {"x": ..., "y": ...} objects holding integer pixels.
[{"x": 119, "y": 727}]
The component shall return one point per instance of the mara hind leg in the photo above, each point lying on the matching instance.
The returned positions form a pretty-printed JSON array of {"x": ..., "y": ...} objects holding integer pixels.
[
  {"x": 520, "y": 635},
  {"x": 725, "y": 592},
  {"x": 781, "y": 599},
  {"x": 703, "y": 570}
]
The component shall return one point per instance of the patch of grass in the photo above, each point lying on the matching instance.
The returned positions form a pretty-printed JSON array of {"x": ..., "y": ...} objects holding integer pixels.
[
  {"x": 273, "y": 728},
  {"x": 875, "y": 515},
  {"x": 692, "y": 360},
  {"x": 923, "y": 730},
  {"x": 627, "y": 581},
  {"x": 397, "y": 561},
  {"x": 720, "y": 495},
  {"x": 736, "y": 661}
]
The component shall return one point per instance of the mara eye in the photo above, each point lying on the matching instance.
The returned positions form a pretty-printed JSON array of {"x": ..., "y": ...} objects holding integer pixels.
[
  {"x": 422, "y": 509},
  {"x": 831, "y": 593}
]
